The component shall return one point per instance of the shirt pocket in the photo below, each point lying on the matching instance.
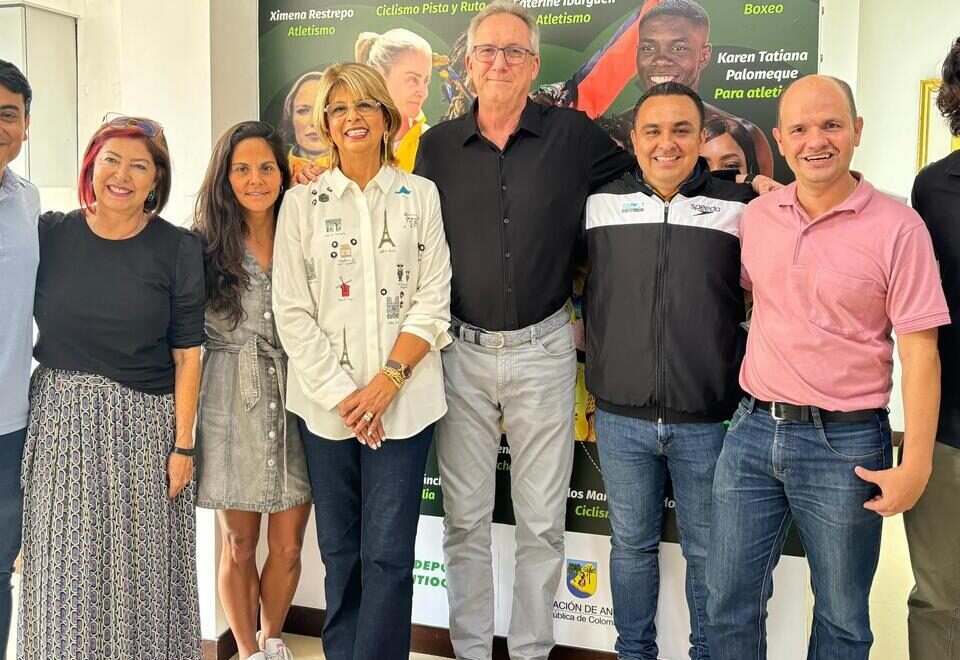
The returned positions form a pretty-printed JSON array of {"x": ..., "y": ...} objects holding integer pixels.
[{"x": 845, "y": 305}]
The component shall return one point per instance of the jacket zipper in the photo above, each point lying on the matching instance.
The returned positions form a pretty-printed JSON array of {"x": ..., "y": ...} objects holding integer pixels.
[{"x": 661, "y": 312}]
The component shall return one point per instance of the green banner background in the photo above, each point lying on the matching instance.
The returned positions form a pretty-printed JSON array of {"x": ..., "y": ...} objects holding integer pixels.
[{"x": 564, "y": 49}]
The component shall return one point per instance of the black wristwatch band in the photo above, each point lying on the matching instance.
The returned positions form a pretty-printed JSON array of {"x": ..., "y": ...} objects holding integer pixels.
[{"x": 183, "y": 451}]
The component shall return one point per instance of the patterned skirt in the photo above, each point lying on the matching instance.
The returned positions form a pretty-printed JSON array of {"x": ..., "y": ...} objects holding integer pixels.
[{"x": 109, "y": 563}]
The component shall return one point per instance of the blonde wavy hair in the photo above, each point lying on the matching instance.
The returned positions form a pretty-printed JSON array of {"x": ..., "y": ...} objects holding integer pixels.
[{"x": 361, "y": 81}]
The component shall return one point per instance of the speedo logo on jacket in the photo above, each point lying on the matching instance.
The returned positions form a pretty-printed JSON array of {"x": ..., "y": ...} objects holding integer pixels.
[{"x": 663, "y": 301}]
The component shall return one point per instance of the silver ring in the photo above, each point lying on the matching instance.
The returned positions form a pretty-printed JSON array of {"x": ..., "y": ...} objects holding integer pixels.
[{"x": 368, "y": 417}]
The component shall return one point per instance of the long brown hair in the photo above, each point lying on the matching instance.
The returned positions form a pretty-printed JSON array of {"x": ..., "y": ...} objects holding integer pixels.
[{"x": 218, "y": 218}]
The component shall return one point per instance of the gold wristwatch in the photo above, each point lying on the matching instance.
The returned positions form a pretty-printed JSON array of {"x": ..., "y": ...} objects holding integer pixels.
[{"x": 397, "y": 372}]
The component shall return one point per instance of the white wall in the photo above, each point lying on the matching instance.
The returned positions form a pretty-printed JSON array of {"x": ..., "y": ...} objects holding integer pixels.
[
  {"x": 840, "y": 39},
  {"x": 165, "y": 75},
  {"x": 900, "y": 44}
]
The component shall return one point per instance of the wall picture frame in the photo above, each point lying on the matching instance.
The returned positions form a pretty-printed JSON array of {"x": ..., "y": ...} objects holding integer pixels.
[{"x": 934, "y": 139}]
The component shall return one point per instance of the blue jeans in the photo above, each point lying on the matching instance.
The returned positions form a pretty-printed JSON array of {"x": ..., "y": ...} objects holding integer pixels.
[
  {"x": 772, "y": 473},
  {"x": 636, "y": 456},
  {"x": 367, "y": 505},
  {"x": 11, "y": 521}
]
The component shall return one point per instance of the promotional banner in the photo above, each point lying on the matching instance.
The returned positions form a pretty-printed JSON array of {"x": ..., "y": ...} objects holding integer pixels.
[{"x": 596, "y": 56}]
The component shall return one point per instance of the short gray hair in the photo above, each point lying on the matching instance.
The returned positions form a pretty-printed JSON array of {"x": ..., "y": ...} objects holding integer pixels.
[{"x": 505, "y": 7}]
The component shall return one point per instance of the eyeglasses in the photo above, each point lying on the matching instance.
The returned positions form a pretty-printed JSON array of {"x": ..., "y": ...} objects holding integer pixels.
[
  {"x": 364, "y": 108},
  {"x": 512, "y": 54},
  {"x": 148, "y": 127}
]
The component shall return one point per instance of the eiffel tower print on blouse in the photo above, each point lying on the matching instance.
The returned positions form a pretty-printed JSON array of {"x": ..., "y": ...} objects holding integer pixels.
[
  {"x": 344, "y": 358},
  {"x": 385, "y": 238}
]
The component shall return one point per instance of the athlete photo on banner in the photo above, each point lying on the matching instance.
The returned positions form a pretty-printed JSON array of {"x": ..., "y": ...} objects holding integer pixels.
[{"x": 597, "y": 56}]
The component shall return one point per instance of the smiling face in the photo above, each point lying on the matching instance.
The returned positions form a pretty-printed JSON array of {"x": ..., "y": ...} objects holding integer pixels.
[
  {"x": 14, "y": 123},
  {"x": 408, "y": 80},
  {"x": 666, "y": 139},
  {"x": 123, "y": 175},
  {"x": 817, "y": 133},
  {"x": 496, "y": 82},
  {"x": 308, "y": 139},
  {"x": 672, "y": 48},
  {"x": 357, "y": 136},
  {"x": 723, "y": 153},
  {"x": 254, "y": 175}
]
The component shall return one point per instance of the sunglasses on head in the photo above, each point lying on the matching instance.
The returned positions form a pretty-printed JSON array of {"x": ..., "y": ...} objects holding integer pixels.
[{"x": 148, "y": 127}]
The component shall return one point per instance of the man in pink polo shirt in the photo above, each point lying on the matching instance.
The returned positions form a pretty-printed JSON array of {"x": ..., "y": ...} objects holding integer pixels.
[{"x": 834, "y": 267}]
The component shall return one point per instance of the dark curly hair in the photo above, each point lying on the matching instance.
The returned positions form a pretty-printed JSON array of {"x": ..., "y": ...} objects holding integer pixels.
[
  {"x": 948, "y": 99},
  {"x": 219, "y": 219}
]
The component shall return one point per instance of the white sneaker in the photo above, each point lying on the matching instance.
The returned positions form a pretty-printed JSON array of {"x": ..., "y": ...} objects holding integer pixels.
[
  {"x": 276, "y": 649},
  {"x": 259, "y": 655}
]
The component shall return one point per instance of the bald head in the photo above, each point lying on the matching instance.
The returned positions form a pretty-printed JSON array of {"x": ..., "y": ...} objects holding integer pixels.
[
  {"x": 815, "y": 84},
  {"x": 817, "y": 131}
]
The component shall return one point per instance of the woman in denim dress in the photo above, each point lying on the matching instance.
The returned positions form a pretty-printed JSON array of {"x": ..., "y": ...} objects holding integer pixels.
[{"x": 250, "y": 458}]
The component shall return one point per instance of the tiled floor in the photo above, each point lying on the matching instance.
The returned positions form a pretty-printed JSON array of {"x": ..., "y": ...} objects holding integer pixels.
[
  {"x": 309, "y": 648},
  {"x": 303, "y": 648}
]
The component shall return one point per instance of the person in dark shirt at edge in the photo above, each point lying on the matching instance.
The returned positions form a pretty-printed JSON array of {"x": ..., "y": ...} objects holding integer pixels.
[
  {"x": 513, "y": 177},
  {"x": 933, "y": 534},
  {"x": 664, "y": 345},
  {"x": 109, "y": 558}
]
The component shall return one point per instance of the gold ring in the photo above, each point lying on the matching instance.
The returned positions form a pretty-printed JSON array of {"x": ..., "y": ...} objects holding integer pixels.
[{"x": 368, "y": 417}]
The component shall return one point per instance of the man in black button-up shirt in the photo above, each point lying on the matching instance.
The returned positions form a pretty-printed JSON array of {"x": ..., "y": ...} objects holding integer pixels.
[
  {"x": 513, "y": 178},
  {"x": 933, "y": 534},
  {"x": 511, "y": 210}
]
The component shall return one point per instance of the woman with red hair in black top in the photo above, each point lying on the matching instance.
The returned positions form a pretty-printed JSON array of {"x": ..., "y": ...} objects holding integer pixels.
[{"x": 109, "y": 542}]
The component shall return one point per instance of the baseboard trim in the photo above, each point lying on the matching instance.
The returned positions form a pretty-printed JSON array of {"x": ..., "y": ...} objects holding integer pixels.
[
  {"x": 427, "y": 639},
  {"x": 222, "y": 648}
]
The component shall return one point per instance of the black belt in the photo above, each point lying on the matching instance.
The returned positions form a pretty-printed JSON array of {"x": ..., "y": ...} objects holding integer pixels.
[{"x": 791, "y": 413}]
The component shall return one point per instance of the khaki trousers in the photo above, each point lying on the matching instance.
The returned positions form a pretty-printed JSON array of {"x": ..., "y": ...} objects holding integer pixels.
[{"x": 933, "y": 536}]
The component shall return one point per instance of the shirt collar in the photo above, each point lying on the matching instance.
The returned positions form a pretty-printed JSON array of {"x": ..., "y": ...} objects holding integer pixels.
[
  {"x": 531, "y": 120},
  {"x": 384, "y": 180},
  {"x": 854, "y": 203},
  {"x": 11, "y": 181}
]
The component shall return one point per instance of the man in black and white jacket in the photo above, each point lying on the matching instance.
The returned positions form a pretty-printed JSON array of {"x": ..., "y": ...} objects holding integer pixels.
[{"x": 664, "y": 343}]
